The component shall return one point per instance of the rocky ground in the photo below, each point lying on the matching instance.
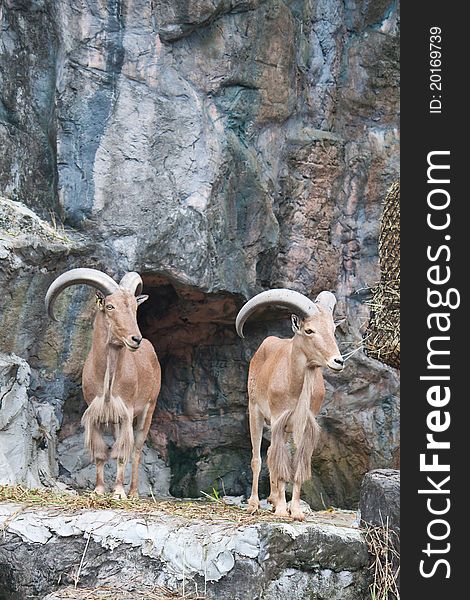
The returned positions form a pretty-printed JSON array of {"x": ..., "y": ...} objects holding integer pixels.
[
  {"x": 61, "y": 545},
  {"x": 209, "y": 551}
]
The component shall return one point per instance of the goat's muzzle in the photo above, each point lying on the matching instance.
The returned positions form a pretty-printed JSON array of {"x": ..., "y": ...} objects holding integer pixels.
[
  {"x": 134, "y": 343},
  {"x": 336, "y": 363}
]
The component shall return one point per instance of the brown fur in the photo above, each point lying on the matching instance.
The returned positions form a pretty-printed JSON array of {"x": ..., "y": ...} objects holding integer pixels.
[
  {"x": 286, "y": 389},
  {"x": 119, "y": 386},
  {"x": 279, "y": 459},
  {"x": 302, "y": 462},
  {"x": 101, "y": 413},
  {"x": 305, "y": 431}
]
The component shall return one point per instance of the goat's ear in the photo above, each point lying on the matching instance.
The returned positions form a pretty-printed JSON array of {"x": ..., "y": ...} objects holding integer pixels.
[
  {"x": 296, "y": 323},
  {"x": 141, "y": 299},
  {"x": 100, "y": 299}
]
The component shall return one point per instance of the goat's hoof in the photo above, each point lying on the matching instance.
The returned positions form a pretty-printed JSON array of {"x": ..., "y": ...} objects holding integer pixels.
[
  {"x": 281, "y": 512},
  {"x": 298, "y": 516},
  {"x": 119, "y": 495},
  {"x": 99, "y": 490},
  {"x": 133, "y": 494},
  {"x": 253, "y": 506}
]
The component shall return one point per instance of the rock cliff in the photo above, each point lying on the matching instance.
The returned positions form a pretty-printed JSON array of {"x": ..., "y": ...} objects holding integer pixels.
[{"x": 218, "y": 147}]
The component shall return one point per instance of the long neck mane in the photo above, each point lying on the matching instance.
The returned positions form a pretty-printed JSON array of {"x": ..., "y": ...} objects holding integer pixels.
[
  {"x": 302, "y": 377},
  {"x": 106, "y": 354}
]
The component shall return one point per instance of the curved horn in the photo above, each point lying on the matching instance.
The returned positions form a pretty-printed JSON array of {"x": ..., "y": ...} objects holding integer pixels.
[
  {"x": 294, "y": 301},
  {"x": 93, "y": 277},
  {"x": 326, "y": 299},
  {"x": 132, "y": 281}
]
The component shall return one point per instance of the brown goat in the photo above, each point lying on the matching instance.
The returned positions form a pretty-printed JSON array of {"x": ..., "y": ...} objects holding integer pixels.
[
  {"x": 121, "y": 376},
  {"x": 286, "y": 390}
]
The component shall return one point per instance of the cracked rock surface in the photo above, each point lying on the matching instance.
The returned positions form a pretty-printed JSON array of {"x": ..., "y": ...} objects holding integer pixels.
[{"x": 268, "y": 560}]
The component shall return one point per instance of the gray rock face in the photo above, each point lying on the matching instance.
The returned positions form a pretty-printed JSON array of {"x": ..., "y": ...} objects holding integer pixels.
[
  {"x": 219, "y": 148},
  {"x": 79, "y": 473},
  {"x": 379, "y": 500},
  {"x": 263, "y": 561},
  {"x": 28, "y": 430},
  {"x": 379, "y": 507}
]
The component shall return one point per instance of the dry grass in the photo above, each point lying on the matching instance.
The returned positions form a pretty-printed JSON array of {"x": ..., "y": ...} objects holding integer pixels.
[
  {"x": 212, "y": 510},
  {"x": 383, "y": 545},
  {"x": 208, "y": 510},
  {"x": 382, "y": 340},
  {"x": 110, "y": 593}
]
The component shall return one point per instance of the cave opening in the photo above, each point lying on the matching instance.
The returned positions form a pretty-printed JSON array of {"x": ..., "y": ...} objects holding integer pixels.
[{"x": 200, "y": 426}]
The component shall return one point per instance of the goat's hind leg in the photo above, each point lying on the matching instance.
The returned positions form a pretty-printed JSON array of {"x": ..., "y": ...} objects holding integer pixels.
[{"x": 256, "y": 433}]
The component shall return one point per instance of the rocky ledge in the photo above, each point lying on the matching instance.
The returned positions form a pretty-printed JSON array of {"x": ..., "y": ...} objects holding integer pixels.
[{"x": 46, "y": 550}]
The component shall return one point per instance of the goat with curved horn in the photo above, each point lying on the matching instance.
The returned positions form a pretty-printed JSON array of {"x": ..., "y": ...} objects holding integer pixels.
[
  {"x": 294, "y": 301},
  {"x": 121, "y": 376},
  {"x": 132, "y": 281},
  {"x": 97, "y": 279},
  {"x": 286, "y": 390}
]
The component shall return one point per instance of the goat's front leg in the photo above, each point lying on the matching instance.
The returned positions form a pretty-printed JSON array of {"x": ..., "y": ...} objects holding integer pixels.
[
  {"x": 99, "y": 487},
  {"x": 279, "y": 465},
  {"x": 119, "y": 493},
  {"x": 256, "y": 432},
  {"x": 272, "y": 498},
  {"x": 99, "y": 453},
  {"x": 141, "y": 430},
  {"x": 303, "y": 463},
  {"x": 281, "y": 503},
  {"x": 121, "y": 453},
  {"x": 295, "y": 511}
]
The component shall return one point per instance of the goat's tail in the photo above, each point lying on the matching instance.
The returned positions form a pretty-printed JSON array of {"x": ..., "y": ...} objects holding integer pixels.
[
  {"x": 279, "y": 460},
  {"x": 108, "y": 412}
]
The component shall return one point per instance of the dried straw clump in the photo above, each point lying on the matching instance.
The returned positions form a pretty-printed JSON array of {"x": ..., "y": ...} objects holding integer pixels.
[
  {"x": 382, "y": 339},
  {"x": 383, "y": 546},
  {"x": 111, "y": 593},
  {"x": 209, "y": 510}
]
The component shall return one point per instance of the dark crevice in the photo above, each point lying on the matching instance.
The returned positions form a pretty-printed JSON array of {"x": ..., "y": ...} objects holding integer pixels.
[{"x": 200, "y": 425}]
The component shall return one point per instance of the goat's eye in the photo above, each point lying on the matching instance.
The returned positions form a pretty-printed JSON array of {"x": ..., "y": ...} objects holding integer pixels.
[
  {"x": 309, "y": 331},
  {"x": 109, "y": 307}
]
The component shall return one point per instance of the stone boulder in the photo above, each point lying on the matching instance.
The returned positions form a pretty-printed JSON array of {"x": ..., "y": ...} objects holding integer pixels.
[
  {"x": 44, "y": 551},
  {"x": 28, "y": 430},
  {"x": 379, "y": 500},
  {"x": 379, "y": 509},
  {"x": 78, "y": 472}
]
